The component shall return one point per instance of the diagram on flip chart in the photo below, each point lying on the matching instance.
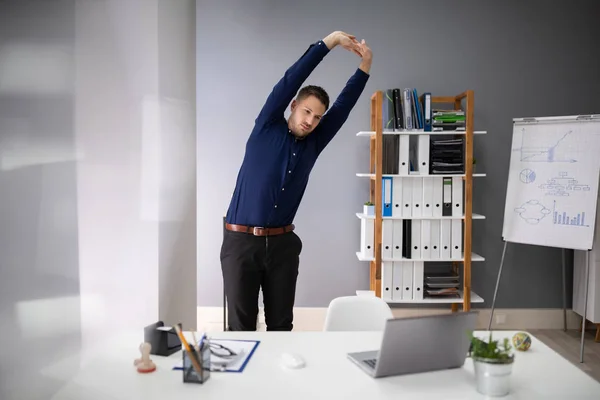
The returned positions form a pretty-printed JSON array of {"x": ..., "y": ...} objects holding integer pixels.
[
  {"x": 564, "y": 218},
  {"x": 554, "y": 148},
  {"x": 563, "y": 185},
  {"x": 527, "y": 176},
  {"x": 532, "y": 211}
]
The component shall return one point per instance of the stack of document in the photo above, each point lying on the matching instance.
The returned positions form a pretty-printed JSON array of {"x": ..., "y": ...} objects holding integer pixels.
[
  {"x": 448, "y": 120},
  {"x": 442, "y": 285},
  {"x": 447, "y": 156}
]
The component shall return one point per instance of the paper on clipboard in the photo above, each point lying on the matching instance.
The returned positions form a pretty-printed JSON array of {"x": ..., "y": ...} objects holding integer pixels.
[{"x": 243, "y": 348}]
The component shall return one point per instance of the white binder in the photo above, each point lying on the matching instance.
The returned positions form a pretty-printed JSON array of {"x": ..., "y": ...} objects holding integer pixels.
[
  {"x": 397, "y": 283},
  {"x": 457, "y": 196},
  {"x": 417, "y": 196},
  {"x": 387, "y": 280},
  {"x": 367, "y": 237},
  {"x": 426, "y": 239},
  {"x": 407, "y": 280},
  {"x": 438, "y": 198},
  {"x": 446, "y": 239},
  {"x": 418, "y": 277},
  {"x": 397, "y": 239},
  {"x": 387, "y": 241},
  {"x": 435, "y": 235},
  {"x": 407, "y": 197},
  {"x": 423, "y": 154},
  {"x": 404, "y": 148},
  {"x": 397, "y": 205},
  {"x": 456, "y": 239},
  {"x": 415, "y": 239},
  {"x": 428, "y": 202}
]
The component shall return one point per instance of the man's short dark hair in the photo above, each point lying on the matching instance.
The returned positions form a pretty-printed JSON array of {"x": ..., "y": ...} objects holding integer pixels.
[{"x": 317, "y": 91}]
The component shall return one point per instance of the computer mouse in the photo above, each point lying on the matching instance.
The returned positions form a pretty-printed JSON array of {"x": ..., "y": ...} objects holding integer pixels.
[{"x": 291, "y": 360}]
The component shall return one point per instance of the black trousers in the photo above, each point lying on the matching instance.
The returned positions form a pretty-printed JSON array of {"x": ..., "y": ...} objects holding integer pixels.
[{"x": 250, "y": 263}]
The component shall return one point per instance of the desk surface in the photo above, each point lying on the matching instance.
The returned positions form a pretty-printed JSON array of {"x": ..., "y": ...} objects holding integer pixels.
[{"x": 110, "y": 374}]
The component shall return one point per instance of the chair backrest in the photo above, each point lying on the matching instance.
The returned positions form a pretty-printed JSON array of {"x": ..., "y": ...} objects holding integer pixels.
[{"x": 357, "y": 313}]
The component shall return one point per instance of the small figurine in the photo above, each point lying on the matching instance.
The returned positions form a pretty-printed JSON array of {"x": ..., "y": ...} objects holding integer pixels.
[{"x": 145, "y": 364}]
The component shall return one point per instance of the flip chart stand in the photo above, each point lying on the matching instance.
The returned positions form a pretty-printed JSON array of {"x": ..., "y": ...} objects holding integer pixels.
[{"x": 564, "y": 284}]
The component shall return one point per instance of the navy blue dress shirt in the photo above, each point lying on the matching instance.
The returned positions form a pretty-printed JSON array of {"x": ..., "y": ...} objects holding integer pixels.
[{"x": 276, "y": 166}]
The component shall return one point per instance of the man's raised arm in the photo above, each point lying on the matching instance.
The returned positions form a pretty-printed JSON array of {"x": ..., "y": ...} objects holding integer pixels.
[
  {"x": 287, "y": 87},
  {"x": 345, "y": 102}
]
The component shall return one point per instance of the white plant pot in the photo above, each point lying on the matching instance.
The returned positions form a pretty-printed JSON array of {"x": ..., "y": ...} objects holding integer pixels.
[
  {"x": 493, "y": 377},
  {"x": 369, "y": 210}
]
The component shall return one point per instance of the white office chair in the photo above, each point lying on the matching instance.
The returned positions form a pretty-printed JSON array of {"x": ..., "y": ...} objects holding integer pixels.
[{"x": 357, "y": 313}]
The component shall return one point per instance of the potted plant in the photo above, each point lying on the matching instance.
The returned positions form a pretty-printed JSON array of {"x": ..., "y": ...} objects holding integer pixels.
[
  {"x": 369, "y": 208},
  {"x": 493, "y": 365}
]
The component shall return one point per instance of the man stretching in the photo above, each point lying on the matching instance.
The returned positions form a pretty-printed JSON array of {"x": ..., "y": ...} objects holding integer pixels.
[{"x": 260, "y": 247}]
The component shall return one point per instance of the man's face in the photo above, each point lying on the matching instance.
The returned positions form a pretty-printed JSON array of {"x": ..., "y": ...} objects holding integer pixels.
[{"x": 306, "y": 115}]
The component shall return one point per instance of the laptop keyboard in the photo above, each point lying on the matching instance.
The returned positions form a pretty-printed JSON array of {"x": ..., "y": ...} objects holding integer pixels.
[{"x": 371, "y": 362}]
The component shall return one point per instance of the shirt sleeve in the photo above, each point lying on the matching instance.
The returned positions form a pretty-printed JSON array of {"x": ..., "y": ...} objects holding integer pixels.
[
  {"x": 340, "y": 110},
  {"x": 287, "y": 87}
]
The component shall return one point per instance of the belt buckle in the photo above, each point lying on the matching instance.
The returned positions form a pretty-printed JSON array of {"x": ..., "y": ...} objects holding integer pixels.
[{"x": 256, "y": 229}]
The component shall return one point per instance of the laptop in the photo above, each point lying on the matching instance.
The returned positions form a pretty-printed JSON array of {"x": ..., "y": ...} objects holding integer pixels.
[{"x": 419, "y": 344}]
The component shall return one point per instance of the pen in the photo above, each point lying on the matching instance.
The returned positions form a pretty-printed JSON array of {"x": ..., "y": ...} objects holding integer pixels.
[{"x": 201, "y": 343}]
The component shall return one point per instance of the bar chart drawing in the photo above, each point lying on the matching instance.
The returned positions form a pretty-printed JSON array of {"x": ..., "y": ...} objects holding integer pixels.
[{"x": 563, "y": 218}]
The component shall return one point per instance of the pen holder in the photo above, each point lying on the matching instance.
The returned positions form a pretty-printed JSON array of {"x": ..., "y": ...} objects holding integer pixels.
[
  {"x": 164, "y": 340},
  {"x": 190, "y": 373}
]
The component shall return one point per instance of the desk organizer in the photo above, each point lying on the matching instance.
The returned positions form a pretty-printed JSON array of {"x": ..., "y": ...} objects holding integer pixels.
[
  {"x": 190, "y": 372},
  {"x": 164, "y": 341}
]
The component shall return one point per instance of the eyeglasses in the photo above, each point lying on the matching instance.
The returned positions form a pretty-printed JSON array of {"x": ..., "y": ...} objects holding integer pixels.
[{"x": 221, "y": 351}]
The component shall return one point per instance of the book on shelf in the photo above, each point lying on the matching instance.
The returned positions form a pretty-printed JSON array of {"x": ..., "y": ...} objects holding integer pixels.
[
  {"x": 404, "y": 110},
  {"x": 422, "y": 208},
  {"x": 391, "y": 122}
]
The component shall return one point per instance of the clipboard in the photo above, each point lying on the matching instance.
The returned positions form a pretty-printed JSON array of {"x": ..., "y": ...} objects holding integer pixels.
[{"x": 244, "y": 348}]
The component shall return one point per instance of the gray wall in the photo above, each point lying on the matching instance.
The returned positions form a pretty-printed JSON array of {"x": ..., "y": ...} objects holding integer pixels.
[
  {"x": 520, "y": 58},
  {"x": 97, "y": 180}
]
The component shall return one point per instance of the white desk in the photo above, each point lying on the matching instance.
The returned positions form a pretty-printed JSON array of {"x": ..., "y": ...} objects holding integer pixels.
[{"x": 539, "y": 373}]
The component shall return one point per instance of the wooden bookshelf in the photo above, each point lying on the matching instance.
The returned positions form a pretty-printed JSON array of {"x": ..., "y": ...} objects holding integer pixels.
[{"x": 463, "y": 101}]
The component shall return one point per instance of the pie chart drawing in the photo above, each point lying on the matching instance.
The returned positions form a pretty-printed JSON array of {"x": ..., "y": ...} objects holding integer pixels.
[{"x": 527, "y": 176}]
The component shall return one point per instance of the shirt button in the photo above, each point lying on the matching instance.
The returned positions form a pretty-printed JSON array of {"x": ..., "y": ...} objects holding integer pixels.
[
  {"x": 275, "y": 205},
  {"x": 289, "y": 172},
  {"x": 293, "y": 154},
  {"x": 282, "y": 188}
]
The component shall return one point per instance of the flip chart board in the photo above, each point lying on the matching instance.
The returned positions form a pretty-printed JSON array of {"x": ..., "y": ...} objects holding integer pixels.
[{"x": 552, "y": 186}]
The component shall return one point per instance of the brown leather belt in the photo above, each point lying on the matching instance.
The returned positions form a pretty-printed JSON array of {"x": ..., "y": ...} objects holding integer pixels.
[{"x": 259, "y": 231}]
